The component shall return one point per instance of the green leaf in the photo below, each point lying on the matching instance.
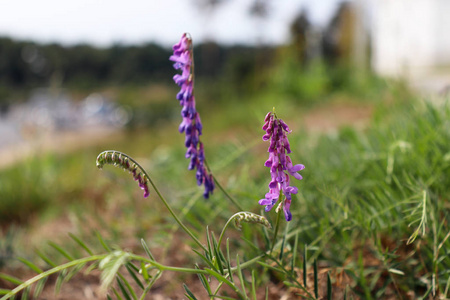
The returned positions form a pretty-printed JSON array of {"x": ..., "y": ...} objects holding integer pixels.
[
  {"x": 282, "y": 248},
  {"x": 207, "y": 261},
  {"x": 62, "y": 251},
  {"x": 253, "y": 285},
  {"x": 144, "y": 272},
  {"x": 110, "y": 266},
  {"x": 133, "y": 275},
  {"x": 204, "y": 281},
  {"x": 11, "y": 279},
  {"x": 208, "y": 240},
  {"x": 147, "y": 250},
  {"x": 117, "y": 294},
  {"x": 102, "y": 241},
  {"x": 127, "y": 285},
  {"x": 59, "y": 281},
  {"x": 31, "y": 265},
  {"x": 25, "y": 294},
  {"x": 46, "y": 259},
  {"x": 241, "y": 278},
  {"x": 189, "y": 293},
  {"x": 39, "y": 287},
  {"x": 218, "y": 256},
  {"x": 123, "y": 289},
  {"x": 79, "y": 242},
  {"x": 228, "y": 261}
]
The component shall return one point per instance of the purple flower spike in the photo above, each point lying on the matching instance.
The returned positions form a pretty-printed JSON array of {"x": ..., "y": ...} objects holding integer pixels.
[
  {"x": 191, "y": 124},
  {"x": 280, "y": 165}
]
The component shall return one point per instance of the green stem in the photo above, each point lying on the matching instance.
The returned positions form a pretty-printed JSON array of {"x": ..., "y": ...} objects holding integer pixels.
[
  {"x": 222, "y": 189},
  {"x": 277, "y": 227},
  {"x": 52, "y": 271},
  {"x": 164, "y": 201},
  {"x": 150, "y": 285},
  {"x": 162, "y": 267},
  {"x": 224, "y": 228}
]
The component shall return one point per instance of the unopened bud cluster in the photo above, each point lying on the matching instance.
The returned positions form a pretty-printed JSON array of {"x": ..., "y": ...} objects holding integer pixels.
[
  {"x": 123, "y": 161},
  {"x": 250, "y": 217}
]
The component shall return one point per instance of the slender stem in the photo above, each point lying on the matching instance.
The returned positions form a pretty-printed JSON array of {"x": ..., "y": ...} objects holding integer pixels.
[
  {"x": 226, "y": 193},
  {"x": 163, "y": 200},
  {"x": 224, "y": 228},
  {"x": 217, "y": 289},
  {"x": 250, "y": 262},
  {"x": 150, "y": 285},
  {"x": 222, "y": 189},
  {"x": 277, "y": 227},
  {"x": 162, "y": 267},
  {"x": 52, "y": 271},
  {"x": 173, "y": 213}
]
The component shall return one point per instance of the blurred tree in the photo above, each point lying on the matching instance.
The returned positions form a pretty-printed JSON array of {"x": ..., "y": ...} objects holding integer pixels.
[
  {"x": 339, "y": 35},
  {"x": 299, "y": 36}
]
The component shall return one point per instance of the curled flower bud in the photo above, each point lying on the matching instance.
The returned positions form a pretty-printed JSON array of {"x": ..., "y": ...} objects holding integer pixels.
[
  {"x": 250, "y": 217},
  {"x": 280, "y": 164},
  {"x": 121, "y": 160},
  {"x": 191, "y": 125}
]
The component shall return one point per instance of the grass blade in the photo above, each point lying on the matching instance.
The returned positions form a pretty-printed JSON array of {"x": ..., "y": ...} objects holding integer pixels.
[
  {"x": 304, "y": 267},
  {"x": 229, "y": 261},
  {"x": 253, "y": 285},
  {"x": 241, "y": 278},
  {"x": 294, "y": 255},
  {"x": 316, "y": 283}
]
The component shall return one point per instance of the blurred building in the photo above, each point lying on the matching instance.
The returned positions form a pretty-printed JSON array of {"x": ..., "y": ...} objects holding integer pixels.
[{"x": 410, "y": 38}]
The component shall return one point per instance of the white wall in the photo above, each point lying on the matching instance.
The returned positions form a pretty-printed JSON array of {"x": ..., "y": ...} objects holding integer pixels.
[{"x": 410, "y": 36}]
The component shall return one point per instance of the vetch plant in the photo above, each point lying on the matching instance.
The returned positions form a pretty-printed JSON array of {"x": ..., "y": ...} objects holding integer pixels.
[
  {"x": 280, "y": 164},
  {"x": 212, "y": 262},
  {"x": 191, "y": 124}
]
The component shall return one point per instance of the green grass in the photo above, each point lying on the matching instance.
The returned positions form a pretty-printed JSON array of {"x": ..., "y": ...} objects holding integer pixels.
[{"x": 373, "y": 203}]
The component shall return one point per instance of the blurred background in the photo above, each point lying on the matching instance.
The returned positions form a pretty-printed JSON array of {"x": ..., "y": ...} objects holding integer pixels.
[
  {"x": 82, "y": 65},
  {"x": 79, "y": 77}
]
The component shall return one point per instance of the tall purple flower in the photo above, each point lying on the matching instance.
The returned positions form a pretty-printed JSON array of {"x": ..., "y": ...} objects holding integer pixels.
[
  {"x": 191, "y": 124},
  {"x": 280, "y": 164}
]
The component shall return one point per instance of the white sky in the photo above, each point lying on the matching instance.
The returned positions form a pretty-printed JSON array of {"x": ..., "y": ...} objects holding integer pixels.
[{"x": 163, "y": 21}]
